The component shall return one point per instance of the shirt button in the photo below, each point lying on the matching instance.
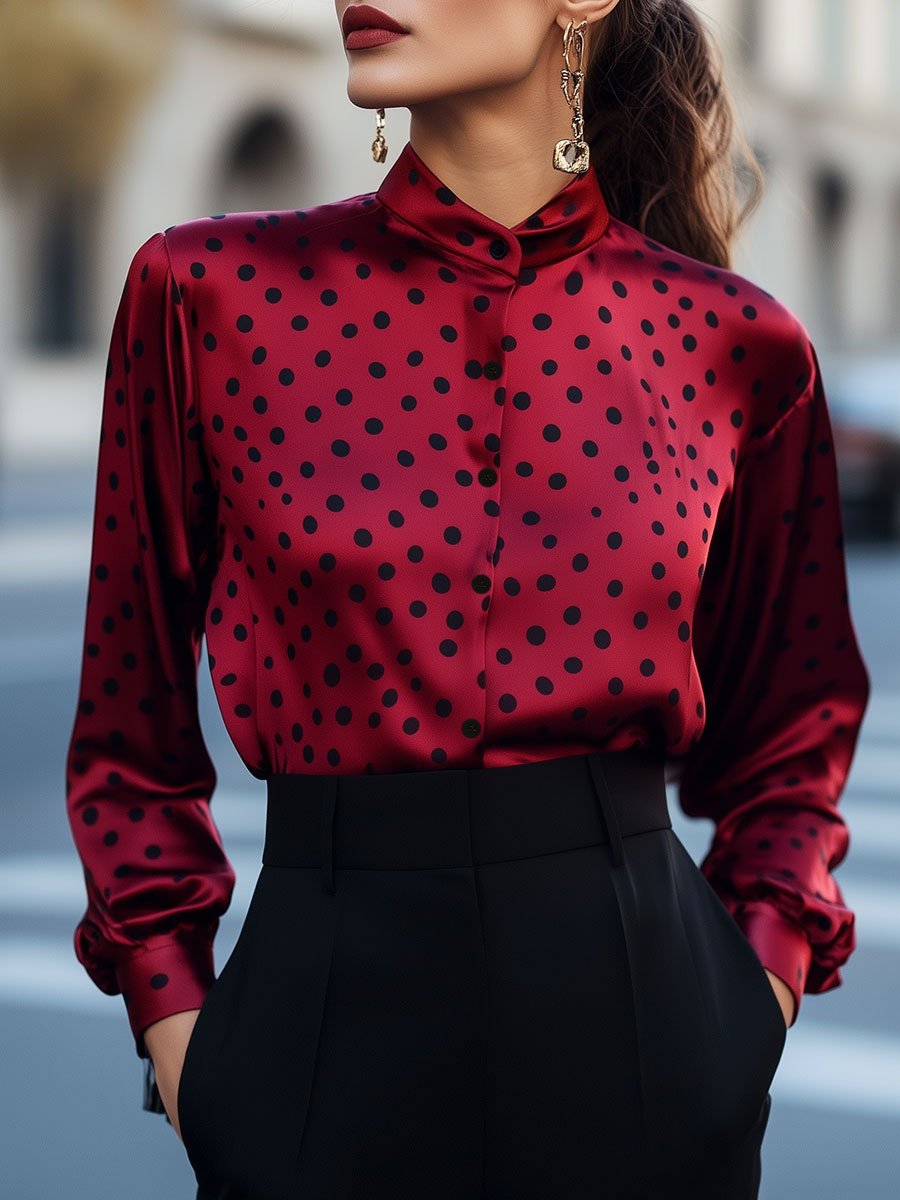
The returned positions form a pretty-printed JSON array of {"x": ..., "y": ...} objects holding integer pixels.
[
  {"x": 498, "y": 248},
  {"x": 481, "y": 583},
  {"x": 492, "y": 369},
  {"x": 487, "y": 476},
  {"x": 471, "y": 727}
]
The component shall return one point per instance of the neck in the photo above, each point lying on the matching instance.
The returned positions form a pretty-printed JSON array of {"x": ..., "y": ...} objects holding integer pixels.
[{"x": 494, "y": 158}]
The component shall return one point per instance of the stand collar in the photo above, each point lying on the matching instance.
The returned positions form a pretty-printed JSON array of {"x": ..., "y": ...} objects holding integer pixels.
[{"x": 569, "y": 222}]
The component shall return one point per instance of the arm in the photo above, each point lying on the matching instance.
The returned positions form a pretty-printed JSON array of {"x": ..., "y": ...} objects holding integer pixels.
[
  {"x": 785, "y": 690},
  {"x": 138, "y": 774}
]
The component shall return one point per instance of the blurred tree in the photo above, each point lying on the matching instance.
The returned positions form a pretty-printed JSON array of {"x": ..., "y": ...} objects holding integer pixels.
[
  {"x": 73, "y": 73},
  {"x": 72, "y": 76}
]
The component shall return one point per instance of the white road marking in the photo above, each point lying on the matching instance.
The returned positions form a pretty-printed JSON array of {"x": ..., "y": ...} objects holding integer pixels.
[
  {"x": 824, "y": 1066},
  {"x": 873, "y": 821},
  {"x": 40, "y": 658},
  {"x": 876, "y": 766},
  {"x": 42, "y": 972},
  {"x": 839, "y": 1069},
  {"x": 874, "y": 826},
  {"x": 46, "y": 551},
  {"x": 53, "y": 884}
]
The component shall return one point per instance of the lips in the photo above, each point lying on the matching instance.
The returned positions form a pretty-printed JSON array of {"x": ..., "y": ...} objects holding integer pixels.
[{"x": 364, "y": 16}]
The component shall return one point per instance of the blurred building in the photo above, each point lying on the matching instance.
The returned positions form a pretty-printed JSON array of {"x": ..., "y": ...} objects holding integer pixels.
[
  {"x": 819, "y": 92},
  {"x": 251, "y": 112}
]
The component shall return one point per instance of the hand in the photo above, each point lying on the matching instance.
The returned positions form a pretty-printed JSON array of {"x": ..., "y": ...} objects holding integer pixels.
[
  {"x": 784, "y": 996},
  {"x": 167, "y": 1041}
]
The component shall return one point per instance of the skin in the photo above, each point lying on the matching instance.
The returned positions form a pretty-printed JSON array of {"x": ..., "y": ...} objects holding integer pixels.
[{"x": 482, "y": 85}]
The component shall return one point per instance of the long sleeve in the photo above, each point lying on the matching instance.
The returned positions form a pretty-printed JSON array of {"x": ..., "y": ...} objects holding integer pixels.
[
  {"x": 138, "y": 774},
  {"x": 785, "y": 689}
]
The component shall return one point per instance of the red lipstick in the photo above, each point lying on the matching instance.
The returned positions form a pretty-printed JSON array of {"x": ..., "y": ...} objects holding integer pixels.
[{"x": 363, "y": 26}]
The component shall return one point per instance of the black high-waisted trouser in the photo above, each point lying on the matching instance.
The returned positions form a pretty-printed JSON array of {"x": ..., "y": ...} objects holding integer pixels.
[{"x": 507, "y": 983}]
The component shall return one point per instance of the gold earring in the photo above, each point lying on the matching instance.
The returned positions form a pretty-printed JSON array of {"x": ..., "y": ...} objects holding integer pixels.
[
  {"x": 379, "y": 146},
  {"x": 573, "y": 155}
]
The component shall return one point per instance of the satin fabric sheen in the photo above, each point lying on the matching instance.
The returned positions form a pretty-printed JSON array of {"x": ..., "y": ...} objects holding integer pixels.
[{"x": 444, "y": 493}]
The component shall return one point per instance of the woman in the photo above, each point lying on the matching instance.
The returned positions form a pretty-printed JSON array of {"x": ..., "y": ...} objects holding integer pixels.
[{"x": 497, "y": 493}]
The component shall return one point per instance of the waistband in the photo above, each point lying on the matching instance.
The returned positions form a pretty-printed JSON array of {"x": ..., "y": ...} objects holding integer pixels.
[{"x": 463, "y": 816}]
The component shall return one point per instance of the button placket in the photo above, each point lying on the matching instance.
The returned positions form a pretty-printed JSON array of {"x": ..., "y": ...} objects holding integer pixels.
[{"x": 492, "y": 369}]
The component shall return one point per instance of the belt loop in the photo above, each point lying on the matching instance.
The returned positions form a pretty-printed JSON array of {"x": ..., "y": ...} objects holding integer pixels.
[
  {"x": 617, "y": 848},
  {"x": 329, "y": 796}
]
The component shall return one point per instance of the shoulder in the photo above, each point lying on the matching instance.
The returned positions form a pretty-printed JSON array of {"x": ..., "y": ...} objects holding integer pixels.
[
  {"x": 203, "y": 263},
  {"x": 239, "y": 237},
  {"x": 745, "y": 342}
]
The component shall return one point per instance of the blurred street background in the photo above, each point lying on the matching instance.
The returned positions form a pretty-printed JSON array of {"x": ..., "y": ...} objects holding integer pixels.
[{"x": 122, "y": 117}]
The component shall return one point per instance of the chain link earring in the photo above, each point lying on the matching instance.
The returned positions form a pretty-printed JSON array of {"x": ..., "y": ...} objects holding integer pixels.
[
  {"x": 379, "y": 146},
  {"x": 573, "y": 155},
  {"x": 569, "y": 155}
]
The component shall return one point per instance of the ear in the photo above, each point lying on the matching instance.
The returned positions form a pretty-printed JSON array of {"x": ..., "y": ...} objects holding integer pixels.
[{"x": 583, "y": 10}]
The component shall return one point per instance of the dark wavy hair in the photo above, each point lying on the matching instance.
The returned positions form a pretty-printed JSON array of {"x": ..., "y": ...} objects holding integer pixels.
[{"x": 667, "y": 150}]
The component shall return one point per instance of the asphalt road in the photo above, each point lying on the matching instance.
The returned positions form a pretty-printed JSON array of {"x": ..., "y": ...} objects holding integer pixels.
[{"x": 70, "y": 1114}]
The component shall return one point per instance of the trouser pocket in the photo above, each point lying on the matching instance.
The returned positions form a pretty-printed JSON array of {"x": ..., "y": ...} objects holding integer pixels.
[
  {"x": 710, "y": 1029},
  {"x": 746, "y": 1029},
  {"x": 734, "y": 979},
  {"x": 247, "y": 1077},
  {"x": 201, "y": 1064}
]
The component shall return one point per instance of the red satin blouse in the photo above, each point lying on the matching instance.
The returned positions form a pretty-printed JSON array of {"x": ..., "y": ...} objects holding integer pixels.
[{"x": 444, "y": 493}]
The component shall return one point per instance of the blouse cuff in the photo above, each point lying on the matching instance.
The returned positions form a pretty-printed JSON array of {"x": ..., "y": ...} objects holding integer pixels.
[
  {"x": 780, "y": 943},
  {"x": 158, "y": 981}
]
